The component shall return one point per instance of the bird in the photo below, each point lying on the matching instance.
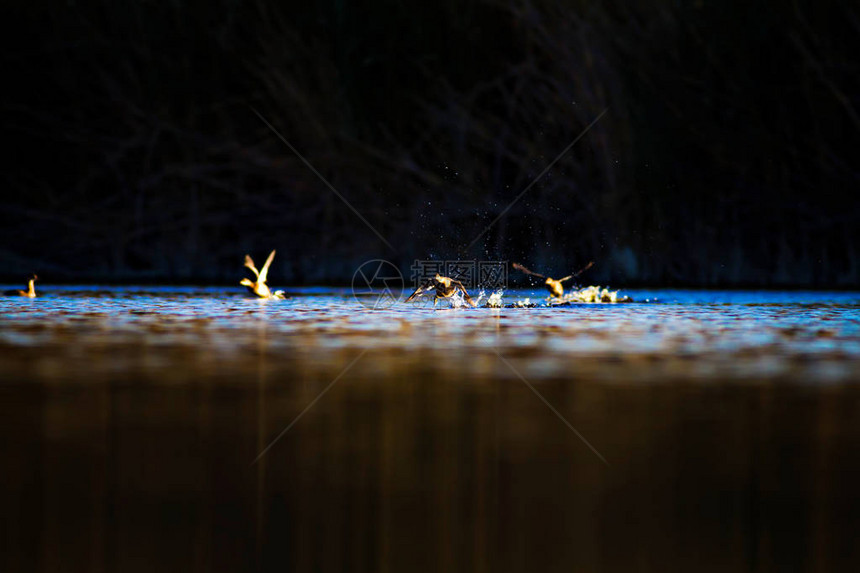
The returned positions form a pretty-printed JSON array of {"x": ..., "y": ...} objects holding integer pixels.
[
  {"x": 552, "y": 285},
  {"x": 29, "y": 293},
  {"x": 259, "y": 287},
  {"x": 445, "y": 288}
]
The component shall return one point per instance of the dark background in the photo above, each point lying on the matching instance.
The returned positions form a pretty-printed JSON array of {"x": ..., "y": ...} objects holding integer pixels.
[{"x": 727, "y": 157}]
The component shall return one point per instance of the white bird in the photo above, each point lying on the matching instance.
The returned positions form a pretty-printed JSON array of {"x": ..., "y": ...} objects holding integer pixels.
[{"x": 259, "y": 287}]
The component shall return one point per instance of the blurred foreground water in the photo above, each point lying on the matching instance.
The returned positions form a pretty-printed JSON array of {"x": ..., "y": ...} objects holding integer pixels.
[{"x": 435, "y": 440}]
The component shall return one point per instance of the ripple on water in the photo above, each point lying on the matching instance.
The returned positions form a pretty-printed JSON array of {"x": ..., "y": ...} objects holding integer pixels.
[{"x": 684, "y": 335}]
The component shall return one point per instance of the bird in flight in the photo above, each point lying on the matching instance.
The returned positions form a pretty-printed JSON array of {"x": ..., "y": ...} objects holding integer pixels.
[
  {"x": 445, "y": 288},
  {"x": 259, "y": 287},
  {"x": 554, "y": 286}
]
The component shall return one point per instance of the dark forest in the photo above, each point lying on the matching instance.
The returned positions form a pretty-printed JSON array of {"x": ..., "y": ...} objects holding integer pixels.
[{"x": 727, "y": 155}]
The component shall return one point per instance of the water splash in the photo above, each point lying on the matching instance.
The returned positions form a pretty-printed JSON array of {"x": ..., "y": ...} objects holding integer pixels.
[
  {"x": 495, "y": 299},
  {"x": 479, "y": 297},
  {"x": 458, "y": 300},
  {"x": 591, "y": 294}
]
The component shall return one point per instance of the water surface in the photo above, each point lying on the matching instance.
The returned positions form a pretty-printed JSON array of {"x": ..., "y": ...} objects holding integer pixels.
[{"x": 421, "y": 439}]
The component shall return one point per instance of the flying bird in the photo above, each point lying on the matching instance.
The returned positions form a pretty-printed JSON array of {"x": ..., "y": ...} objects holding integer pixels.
[
  {"x": 445, "y": 288},
  {"x": 552, "y": 285},
  {"x": 259, "y": 287}
]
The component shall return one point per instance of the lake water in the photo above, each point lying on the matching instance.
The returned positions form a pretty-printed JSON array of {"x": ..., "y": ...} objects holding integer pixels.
[{"x": 195, "y": 429}]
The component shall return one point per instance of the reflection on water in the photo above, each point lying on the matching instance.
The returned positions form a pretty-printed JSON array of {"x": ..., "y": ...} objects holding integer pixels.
[{"x": 132, "y": 417}]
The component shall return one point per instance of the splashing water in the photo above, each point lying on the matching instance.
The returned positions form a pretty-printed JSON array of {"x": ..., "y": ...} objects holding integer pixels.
[
  {"x": 594, "y": 294},
  {"x": 591, "y": 295},
  {"x": 479, "y": 297},
  {"x": 458, "y": 300},
  {"x": 495, "y": 299}
]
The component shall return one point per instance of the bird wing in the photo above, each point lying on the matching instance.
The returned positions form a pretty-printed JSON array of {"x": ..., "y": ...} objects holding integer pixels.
[
  {"x": 466, "y": 296},
  {"x": 249, "y": 262},
  {"x": 423, "y": 287},
  {"x": 519, "y": 267},
  {"x": 264, "y": 272},
  {"x": 577, "y": 273}
]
